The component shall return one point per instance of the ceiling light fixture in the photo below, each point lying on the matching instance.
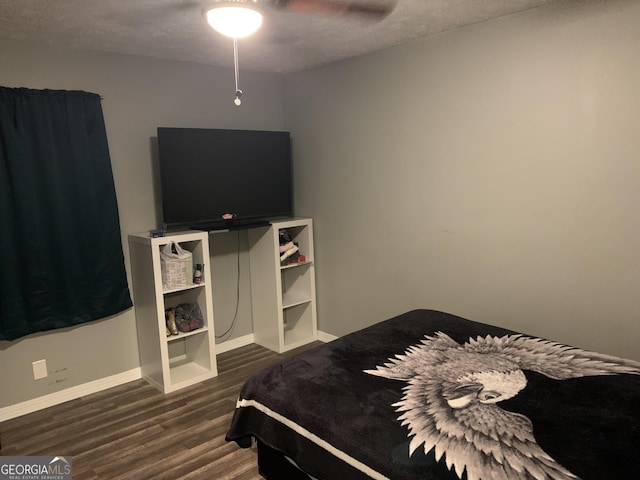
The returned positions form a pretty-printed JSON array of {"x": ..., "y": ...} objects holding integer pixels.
[{"x": 235, "y": 19}]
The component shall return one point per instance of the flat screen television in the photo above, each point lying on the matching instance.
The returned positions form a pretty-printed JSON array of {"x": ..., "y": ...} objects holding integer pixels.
[{"x": 214, "y": 179}]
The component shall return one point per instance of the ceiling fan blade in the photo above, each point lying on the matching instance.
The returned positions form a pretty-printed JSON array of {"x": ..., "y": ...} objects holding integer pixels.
[{"x": 337, "y": 7}]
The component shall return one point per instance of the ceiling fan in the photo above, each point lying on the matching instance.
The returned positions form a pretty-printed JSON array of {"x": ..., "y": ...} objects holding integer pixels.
[
  {"x": 374, "y": 9},
  {"x": 377, "y": 9},
  {"x": 241, "y": 18}
]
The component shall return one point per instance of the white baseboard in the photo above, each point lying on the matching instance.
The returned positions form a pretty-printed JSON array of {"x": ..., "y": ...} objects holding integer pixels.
[
  {"x": 249, "y": 339},
  {"x": 234, "y": 343},
  {"x": 51, "y": 399},
  {"x": 326, "y": 337}
]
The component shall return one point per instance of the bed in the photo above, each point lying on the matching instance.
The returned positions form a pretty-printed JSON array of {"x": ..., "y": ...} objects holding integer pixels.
[{"x": 429, "y": 395}]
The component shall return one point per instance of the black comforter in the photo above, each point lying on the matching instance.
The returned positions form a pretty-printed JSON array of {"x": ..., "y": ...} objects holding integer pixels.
[{"x": 428, "y": 395}]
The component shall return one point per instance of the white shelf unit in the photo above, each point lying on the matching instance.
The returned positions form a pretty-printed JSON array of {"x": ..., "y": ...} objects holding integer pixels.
[
  {"x": 283, "y": 297},
  {"x": 171, "y": 362}
]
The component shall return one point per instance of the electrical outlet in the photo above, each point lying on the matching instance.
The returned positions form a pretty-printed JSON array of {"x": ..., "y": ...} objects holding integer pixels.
[{"x": 39, "y": 369}]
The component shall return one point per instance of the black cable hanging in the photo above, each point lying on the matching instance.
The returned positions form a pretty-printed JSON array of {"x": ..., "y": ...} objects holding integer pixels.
[{"x": 235, "y": 315}]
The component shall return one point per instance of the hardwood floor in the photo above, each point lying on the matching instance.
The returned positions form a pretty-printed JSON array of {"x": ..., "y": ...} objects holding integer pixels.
[{"x": 135, "y": 432}]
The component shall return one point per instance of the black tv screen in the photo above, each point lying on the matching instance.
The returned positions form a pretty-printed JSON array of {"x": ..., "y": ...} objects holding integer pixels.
[{"x": 216, "y": 178}]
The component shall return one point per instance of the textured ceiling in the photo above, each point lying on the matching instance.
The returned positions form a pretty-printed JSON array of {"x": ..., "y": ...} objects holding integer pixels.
[{"x": 287, "y": 42}]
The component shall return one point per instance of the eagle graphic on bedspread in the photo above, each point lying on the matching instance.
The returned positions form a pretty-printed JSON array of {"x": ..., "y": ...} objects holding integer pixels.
[{"x": 450, "y": 402}]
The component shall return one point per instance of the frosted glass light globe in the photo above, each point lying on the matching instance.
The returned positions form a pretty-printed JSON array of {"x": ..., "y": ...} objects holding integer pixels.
[{"x": 235, "y": 22}]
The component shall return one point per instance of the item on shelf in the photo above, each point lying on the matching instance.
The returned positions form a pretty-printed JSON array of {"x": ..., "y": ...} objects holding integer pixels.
[
  {"x": 197, "y": 273},
  {"x": 284, "y": 237},
  {"x": 288, "y": 248},
  {"x": 170, "y": 318},
  {"x": 176, "y": 265},
  {"x": 188, "y": 317},
  {"x": 290, "y": 255},
  {"x": 160, "y": 232}
]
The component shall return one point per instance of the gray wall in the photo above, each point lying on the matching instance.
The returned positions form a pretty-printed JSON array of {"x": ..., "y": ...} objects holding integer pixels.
[
  {"x": 140, "y": 95},
  {"x": 491, "y": 172}
]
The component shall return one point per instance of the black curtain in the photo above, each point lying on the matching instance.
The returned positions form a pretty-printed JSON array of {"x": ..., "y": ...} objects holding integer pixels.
[{"x": 60, "y": 242}]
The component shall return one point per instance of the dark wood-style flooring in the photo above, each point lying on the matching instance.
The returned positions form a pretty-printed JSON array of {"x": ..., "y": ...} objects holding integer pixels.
[{"x": 135, "y": 432}]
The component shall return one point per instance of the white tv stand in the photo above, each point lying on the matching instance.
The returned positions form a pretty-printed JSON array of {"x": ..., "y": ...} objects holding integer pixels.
[
  {"x": 283, "y": 302},
  {"x": 176, "y": 361},
  {"x": 283, "y": 297}
]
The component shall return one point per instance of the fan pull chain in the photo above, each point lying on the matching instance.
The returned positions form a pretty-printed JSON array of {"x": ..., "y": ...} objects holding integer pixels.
[{"x": 237, "y": 100}]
